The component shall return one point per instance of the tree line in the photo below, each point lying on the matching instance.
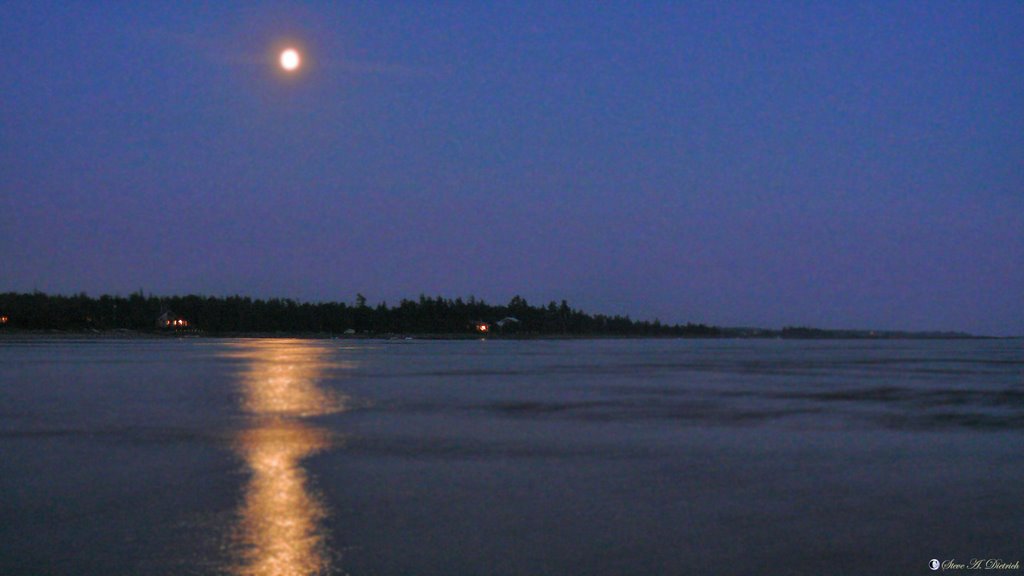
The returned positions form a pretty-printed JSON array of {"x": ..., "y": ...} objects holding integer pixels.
[{"x": 241, "y": 314}]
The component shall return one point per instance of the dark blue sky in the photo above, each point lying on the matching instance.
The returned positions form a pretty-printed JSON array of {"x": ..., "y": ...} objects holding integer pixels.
[{"x": 848, "y": 164}]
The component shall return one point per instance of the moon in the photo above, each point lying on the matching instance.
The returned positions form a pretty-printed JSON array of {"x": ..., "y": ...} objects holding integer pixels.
[{"x": 290, "y": 59}]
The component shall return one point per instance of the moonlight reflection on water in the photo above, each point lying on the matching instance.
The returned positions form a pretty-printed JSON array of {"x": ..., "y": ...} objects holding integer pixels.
[{"x": 280, "y": 528}]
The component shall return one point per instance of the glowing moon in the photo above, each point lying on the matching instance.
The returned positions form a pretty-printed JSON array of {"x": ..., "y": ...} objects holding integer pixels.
[{"x": 290, "y": 59}]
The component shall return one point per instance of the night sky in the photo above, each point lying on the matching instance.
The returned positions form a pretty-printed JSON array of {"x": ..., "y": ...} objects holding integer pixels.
[{"x": 830, "y": 164}]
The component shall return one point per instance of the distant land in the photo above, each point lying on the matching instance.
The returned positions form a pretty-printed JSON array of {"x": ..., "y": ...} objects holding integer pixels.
[{"x": 427, "y": 316}]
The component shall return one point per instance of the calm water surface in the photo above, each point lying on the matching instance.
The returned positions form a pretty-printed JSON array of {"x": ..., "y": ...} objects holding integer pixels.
[{"x": 278, "y": 457}]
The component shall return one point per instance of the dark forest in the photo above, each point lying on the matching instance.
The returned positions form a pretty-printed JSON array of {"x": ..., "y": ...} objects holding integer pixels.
[
  {"x": 240, "y": 314},
  {"x": 426, "y": 316}
]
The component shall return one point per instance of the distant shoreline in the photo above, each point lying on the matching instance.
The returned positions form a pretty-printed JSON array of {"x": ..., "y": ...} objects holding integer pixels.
[
  {"x": 8, "y": 334},
  {"x": 140, "y": 315}
]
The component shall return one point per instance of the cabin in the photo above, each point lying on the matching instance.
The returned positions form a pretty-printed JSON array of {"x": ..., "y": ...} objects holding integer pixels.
[
  {"x": 507, "y": 323},
  {"x": 171, "y": 321}
]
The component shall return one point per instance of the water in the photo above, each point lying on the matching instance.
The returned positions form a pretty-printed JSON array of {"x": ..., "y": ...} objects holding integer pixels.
[{"x": 260, "y": 457}]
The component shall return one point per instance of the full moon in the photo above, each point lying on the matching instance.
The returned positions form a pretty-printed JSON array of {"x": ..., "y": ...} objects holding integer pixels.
[{"x": 290, "y": 59}]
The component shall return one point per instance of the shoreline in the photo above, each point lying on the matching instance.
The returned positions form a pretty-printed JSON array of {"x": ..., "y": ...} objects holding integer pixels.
[{"x": 8, "y": 334}]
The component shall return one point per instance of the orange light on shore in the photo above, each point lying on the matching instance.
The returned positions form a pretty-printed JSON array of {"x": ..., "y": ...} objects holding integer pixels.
[{"x": 4, "y": 319}]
